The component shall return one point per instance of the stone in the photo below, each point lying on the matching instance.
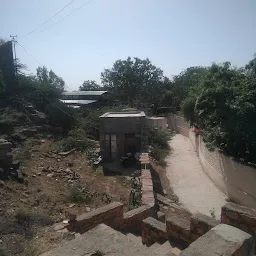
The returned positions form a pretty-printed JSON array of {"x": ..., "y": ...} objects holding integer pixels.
[
  {"x": 50, "y": 175},
  {"x": 88, "y": 209},
  {"x": 29, "y": 132}
]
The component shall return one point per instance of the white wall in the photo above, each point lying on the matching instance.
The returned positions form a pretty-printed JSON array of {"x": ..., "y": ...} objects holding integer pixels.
[{"x": 236, "y": 180}]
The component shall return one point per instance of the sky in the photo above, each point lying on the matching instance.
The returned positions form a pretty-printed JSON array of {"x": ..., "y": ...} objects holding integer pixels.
[{"x": 89, "y": 36}]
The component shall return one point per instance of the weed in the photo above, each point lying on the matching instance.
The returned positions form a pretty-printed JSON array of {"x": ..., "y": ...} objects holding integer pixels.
[{"x": 80, "y": 194}]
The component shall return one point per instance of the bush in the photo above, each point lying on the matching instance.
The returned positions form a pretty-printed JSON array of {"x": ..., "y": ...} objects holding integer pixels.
[
  {"x": 78, "y": 139},
  {"x": 60, "y": 115},
  {"x": 158, "y": 141}
]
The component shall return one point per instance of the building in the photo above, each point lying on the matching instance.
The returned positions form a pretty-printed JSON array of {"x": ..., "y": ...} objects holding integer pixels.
[
  {"x": 121, "y": 133},
  {"x": 78, "y": 99},
  {"x": 157, "y": 123}
]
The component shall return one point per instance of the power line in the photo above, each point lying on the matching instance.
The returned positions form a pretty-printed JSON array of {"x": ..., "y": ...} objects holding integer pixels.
[
  {"x": 29, "y": 54},
  {"x": 34, "y": 58},
  {"x": 87, "y": 2},
  {"x": 45, "y": 22}
]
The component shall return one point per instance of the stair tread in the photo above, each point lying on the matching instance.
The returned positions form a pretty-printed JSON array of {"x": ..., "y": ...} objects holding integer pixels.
[
  {"x": 135, "y": 239},
  {"x": 155, "y": 246},
  {"x": 167, "y": 248}
]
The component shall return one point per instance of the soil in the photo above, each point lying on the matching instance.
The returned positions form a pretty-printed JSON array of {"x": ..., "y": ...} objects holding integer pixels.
[{"x": 28, "y": 210}]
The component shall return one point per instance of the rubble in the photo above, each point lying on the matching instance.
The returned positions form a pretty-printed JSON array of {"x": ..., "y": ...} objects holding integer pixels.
[{"x": 8, "y": 167}]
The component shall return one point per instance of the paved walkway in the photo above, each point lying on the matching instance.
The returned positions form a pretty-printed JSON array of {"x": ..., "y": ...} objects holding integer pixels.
[{"x": 189, "y": 182}]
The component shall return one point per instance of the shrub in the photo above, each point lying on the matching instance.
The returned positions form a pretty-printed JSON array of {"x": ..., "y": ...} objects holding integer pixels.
[
  {"x": 158, "y": 141},
  {"x": 78, "y": 139}
]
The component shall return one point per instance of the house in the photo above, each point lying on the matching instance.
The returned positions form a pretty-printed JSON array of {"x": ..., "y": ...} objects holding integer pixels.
[
  {"x": 78, "y": 99},
  {"x": 121, "y": 133}
]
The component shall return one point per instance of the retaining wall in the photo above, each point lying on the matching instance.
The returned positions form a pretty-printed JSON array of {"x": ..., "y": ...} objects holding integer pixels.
[
  {"x": 113, "y": 216},
  {"x": 236, "y": 180}
]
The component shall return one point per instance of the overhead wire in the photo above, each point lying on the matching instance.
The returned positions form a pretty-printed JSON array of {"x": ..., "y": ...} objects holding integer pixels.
[
  {"x": 87, "y": 2},
  {"x": 49, "y": 19},
  {"x": 34, "y": 58}
]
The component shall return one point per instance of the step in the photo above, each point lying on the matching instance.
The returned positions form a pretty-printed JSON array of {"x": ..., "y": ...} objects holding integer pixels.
[
  {"x": 167, "y": 249},
  {"x": 154, "y": 247},
  {"x": 135, "y": 239}
]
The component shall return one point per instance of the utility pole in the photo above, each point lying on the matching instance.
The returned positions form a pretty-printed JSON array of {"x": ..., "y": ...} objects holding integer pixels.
[{"x": 14, "y": 50}]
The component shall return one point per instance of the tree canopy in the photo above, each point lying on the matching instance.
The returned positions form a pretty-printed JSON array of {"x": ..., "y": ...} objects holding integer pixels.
[
  {"x": 134, "y": 80},
  {"x": 222, "y": 102},
  {"x": 49, "y": 77},
  {"x": 90, "y": 85}
]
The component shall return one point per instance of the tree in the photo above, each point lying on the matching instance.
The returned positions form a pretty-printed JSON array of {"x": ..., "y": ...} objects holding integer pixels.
[
  {"x": 134, "y": 80},
  {"x": 223, "y": 105},
  {"x": 90, "y": 85},
  {"x": 50, "y": 77}
]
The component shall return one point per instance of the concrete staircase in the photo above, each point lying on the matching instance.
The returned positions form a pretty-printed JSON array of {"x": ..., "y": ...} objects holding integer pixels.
[{"x": 165, "y": 249}]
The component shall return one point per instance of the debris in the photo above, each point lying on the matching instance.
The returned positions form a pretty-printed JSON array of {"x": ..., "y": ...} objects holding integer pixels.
[
  {"x": 67, "y": 152},
  {"x": 65, "y": 221},
  {"x": 71, "y": 205},
  {"x": 50, "y": 175},
  {"x": 88, "y": 209},
  {"x": 33, "y": 175}
]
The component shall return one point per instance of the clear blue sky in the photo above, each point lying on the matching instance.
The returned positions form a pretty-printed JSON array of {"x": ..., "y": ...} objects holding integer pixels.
[{"x": 173, "y": 34}]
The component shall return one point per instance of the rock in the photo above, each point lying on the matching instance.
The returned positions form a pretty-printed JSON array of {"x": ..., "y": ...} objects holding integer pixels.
[
  {"x": 67, "y": 152},
  {"x": 71, "y": 205},
  {"x": 39, "y": 173},
  {"x": 23, "y": 200},
  {"x": 6, "y": 160},
  {"x": 69, "y": 164},
  {"x": 42, "y": 141},
  {"x": 165, "y": 208},
  {"x": 29, "y": 132},
  {"x": 58, "y": 160},
  {"x": 65, "y": 221},
  {"x": 5, "y": 146},
  {"x": 20, "y": 176},
  {"x": 50, "y": 175},
  {"x": 165, "y": 192},
  {"x": 88, "y": 209},
  {"x": 59, "y": 226}
]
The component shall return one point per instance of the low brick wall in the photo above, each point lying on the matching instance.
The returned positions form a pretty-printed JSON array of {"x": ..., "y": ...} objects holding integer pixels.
[
  {"x": 132, "y": 220},
  {"x": 188, "y": 230},
  {"x": 201, "y": 224},
  {"x": 239, "y": 216},
  {"x": 178, "y": 229},
  {"x": 153, "y": 231},
  {"x": 147, "y": 190},
  {"x": 222, "y": 240},
  {"x": 111, "y": 215}
]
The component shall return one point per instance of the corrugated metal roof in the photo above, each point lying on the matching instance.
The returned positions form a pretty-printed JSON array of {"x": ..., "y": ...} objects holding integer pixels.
[
  {"x": 93, "y": 93},
  {"x": 81, "y": 102},
  {"x": 124, "y": 114}
]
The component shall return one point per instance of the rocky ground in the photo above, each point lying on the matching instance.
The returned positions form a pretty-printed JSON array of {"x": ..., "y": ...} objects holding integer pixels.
[{"x": 40, "y": 187}]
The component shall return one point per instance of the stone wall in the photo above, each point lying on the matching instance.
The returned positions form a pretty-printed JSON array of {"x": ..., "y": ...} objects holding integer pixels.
[{"x": 236, "y": 180}]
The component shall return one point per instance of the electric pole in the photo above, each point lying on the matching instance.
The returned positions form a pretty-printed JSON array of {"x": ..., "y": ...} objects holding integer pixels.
[{"x": 14, "y": 50}]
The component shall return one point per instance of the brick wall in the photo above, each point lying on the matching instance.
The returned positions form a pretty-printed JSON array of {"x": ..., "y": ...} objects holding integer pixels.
[
  {"x": 153, "y": 231},
  {"x": 132, "y": 220},
  {"x": 239, "y": 216},
  {"x": 111, "y": 215}
]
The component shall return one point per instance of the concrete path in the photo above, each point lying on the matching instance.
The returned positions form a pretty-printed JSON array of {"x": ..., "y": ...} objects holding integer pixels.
[{"x": 194, "y": 189}]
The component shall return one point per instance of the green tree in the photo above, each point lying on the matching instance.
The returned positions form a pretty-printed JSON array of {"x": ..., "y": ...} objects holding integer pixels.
[
  {"x": 223, "y": 105},
  {"x": 134, "y": 80},
  {"x": 50, "y": 77},
  {"x": 90, "y": 85}
]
